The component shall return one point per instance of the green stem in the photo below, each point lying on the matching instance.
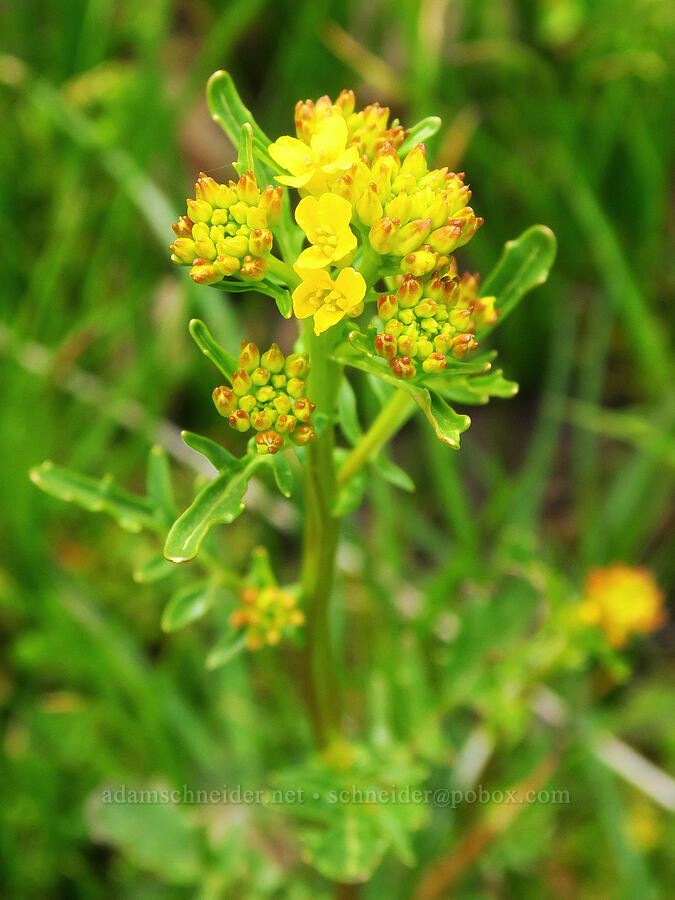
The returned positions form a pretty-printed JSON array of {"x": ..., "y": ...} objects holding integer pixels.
[
  {"x": 391, "y": 417},
  {"x": 283, "y": 271},
  {"x": 320, "y": 544}
]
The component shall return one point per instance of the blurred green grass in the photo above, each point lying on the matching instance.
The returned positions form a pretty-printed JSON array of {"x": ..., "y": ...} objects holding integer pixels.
[{"x": 558, "y": 111}]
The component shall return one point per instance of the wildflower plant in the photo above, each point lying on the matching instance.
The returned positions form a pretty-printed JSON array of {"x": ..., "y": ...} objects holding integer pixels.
[{"x": 347, "y": 228}]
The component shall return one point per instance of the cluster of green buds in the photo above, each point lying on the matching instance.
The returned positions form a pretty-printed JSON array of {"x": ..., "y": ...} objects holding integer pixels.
[
  {"x": 368, "y": 129},
  {"x": 268, "y": 395},
  {"x": 406, "y": 206},
  {"x": 227, "y": 229},
  {"x": 432, "y": 315},
  {"x": 267, "y": 614}
]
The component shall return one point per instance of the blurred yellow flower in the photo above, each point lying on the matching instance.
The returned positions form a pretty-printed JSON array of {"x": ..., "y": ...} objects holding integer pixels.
[
  {"x": 327, "y": 300},
  {"x": 326, "y": 223},
  {"x": 314, "y": 166},
  {"x": 622, "y": 601}
]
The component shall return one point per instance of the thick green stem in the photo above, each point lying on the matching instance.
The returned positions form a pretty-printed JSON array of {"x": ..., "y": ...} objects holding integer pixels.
[
  {"x": 392, "y": 416},
  {"x": 320, "y": 544}
]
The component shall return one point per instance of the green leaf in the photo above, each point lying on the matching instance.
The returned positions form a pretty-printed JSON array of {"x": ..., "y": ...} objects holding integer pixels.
[
  {"x": 225, "y": 651},
  {"x": 283, "y": 475},
  {"x": 129, "y": 511},
  {"x": 419, "y": 133},
  {"x": 154, "y": 570},
  {"x": 158, "y": 837},
  {"x": 347, "y": 412},
  {"x": 186, "y": 606},
  {"x": 447, "y": 424},
  {"x": 228, "y": 110},
  {"x": 244, "y": 161},
  {"x": 218, "y": 456},
  {"x": 524, "y": 264},
  {"x": 220, "y": 358},
  {"x": 219, "y": 502},
  {"x": 392, "y": 473},
  {"x": 348, "y": 850},
  {"x": 260, "y": 574},
  {"x": 478, "y": 389},
  {"x": 159, "y": 487},
  {"x": 277, "y": 292}
]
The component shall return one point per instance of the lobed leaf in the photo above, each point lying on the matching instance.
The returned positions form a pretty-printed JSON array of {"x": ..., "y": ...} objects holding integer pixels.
[{"x": 218, "y": 456}]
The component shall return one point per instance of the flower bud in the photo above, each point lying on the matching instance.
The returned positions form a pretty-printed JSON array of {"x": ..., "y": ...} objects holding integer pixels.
[
  {"x": 239, "y": 420},
  {"x": 285, "y": 424},
  {"x": 268, "y": 442},
  {"x": 387, "y": 307},
  {"x": 226, "y": 265},
  {"x": 412, "y": 236},
  {"x": 410, "y": 292},
  {"x": 463, "y": 343},
  {"x": 260, "y": 241},
  {"x": 383, "y": 235},
  {"x": 386, "y": 162},
  {"x": 295, "y": 388},
  {"x": 265, "y": 394},
  {"x": 434, "y": 363},
  {"x": 426, "y": 308},
  {"x": 241, "y": 382},
  {"x": 224, "y": 400},
  {"x": 303, "y": 409},
  {"x": 368, "y": 206},
  {"x": 385, "y": 345},
  {"x": 403, "y": 367},
  {"x": 273, "y": 359},
  {"x": 303, "y": 434},
  {"x": 183, "y": 227},
  {"x": 297, "y": 365},
  {"x": 204, "y": 272},
  {"x": 485, "y": 312},
  {"x": 249, "y": 356},
  {"x": 247, "y": 402},
  {"x": 233, "y": 246},
  {"x": 345, "y": 102},
  {"x": 419, "y": 263},
  {"x": 282, "y": 404},
  {"x": 205, "y": 248},
  {"x": 199, "y": 210},
  {"x": 270, "y": 203},
  {"x": 407, "y": 345},
  {"x": 263, "y": 419},
  {"x": 253, "y": 268},
  {"x": 183, "y": 251},
  {"x": 415, "y": 162},
  {"x": 206, "y": 189},
  {"x": 260, "y": 377},
  {"x": 247, "y": 189}
]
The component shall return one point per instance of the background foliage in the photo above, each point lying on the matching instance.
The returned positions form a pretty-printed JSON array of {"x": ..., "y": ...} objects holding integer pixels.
[{"x": 557, "y": 110}]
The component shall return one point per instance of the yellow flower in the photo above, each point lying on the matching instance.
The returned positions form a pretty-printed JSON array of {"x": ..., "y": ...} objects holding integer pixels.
[
  {"x": 314, "y": 166},
  {"x": 326, "y": 224},
  {"x": 327, "y": 300},
  {"x": 622, "y": 601}
]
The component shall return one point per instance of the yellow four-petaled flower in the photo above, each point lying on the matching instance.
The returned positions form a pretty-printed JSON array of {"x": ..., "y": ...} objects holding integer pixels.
[
  {"x": 315, "y": 165},
  {"x": 326, "y": 223},
  {"x": 326, "y": 299}
]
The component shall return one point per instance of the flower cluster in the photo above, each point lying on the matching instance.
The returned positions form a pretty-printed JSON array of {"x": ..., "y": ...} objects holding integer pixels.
[
  {"x": 432, "y": 315},
  {"x": 267, "y": 614},
  {"x": 622, "y": 601},
  {"x": 267, "y": 394},
  {"x": 227, "y": 229}
]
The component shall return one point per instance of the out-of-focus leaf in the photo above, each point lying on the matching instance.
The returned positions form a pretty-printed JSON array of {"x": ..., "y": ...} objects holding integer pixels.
[
  {"x": 392, "y": 473},
  {"x": 225, "y": 651},
  {"x": 420, "y": 132},
  {"x": 220, "y": 358},
  {"x": 524, "y": 264},
  {"x": 96, "y": 495},
  {"x": 478, "y": 389},
  {"x": 159, "y": 487},
  {"x": 219, "y": 502},
  {"x": 158, "y": 837},
  {"x": 260, "y": 574},
  {"x": 218, "y": 456},
  {"x": 347, "y": 412},
  {"x": 186, "y": 606},
  {"x": 348, "y": 850},
  {"x": 283, "y": 474},
  {"x": 154, "y": 570}
]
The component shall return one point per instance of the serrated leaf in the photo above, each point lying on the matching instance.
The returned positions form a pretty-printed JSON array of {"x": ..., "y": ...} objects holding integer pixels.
[
  {"x": 225, "y": 651},
  {"x": 347, "y": 412},
  {"x": 159, "y": 838},
  {"x": 419, "y": 133},
  {"x": 159, "y": 486},
  {"x": 220, "y": 358},
  {"x": 154, "y": 570},
  {"x": 244, "y": 161},
  {"x": 393, "y": 474},
  {"x": 524, "y": 264},
  {"x": 186, "y": 606},
  {"x": 131, "y": 512},
  {"x": 283, "y": 475},
  {"x": 218, "y": 456},
  {"x": 219, "y": 502}
]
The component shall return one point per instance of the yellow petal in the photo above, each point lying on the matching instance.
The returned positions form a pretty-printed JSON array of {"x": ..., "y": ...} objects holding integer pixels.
[
  {"x": 312, "y": 258},
  {"x": 291, "y": 154},
  {"x": 307, "y": 216},
  {"x": 345, "y": 160},
  {"x": 351, "y": 283},
  {"x": 296, "y": 181},
  {"x": 330, "y": 138},
  {"x": 302, "y": 305},
  {"x": 326, "y": 316},
  {"x": 345, "y": 244},
  {"x": 334, "y": 212}
]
